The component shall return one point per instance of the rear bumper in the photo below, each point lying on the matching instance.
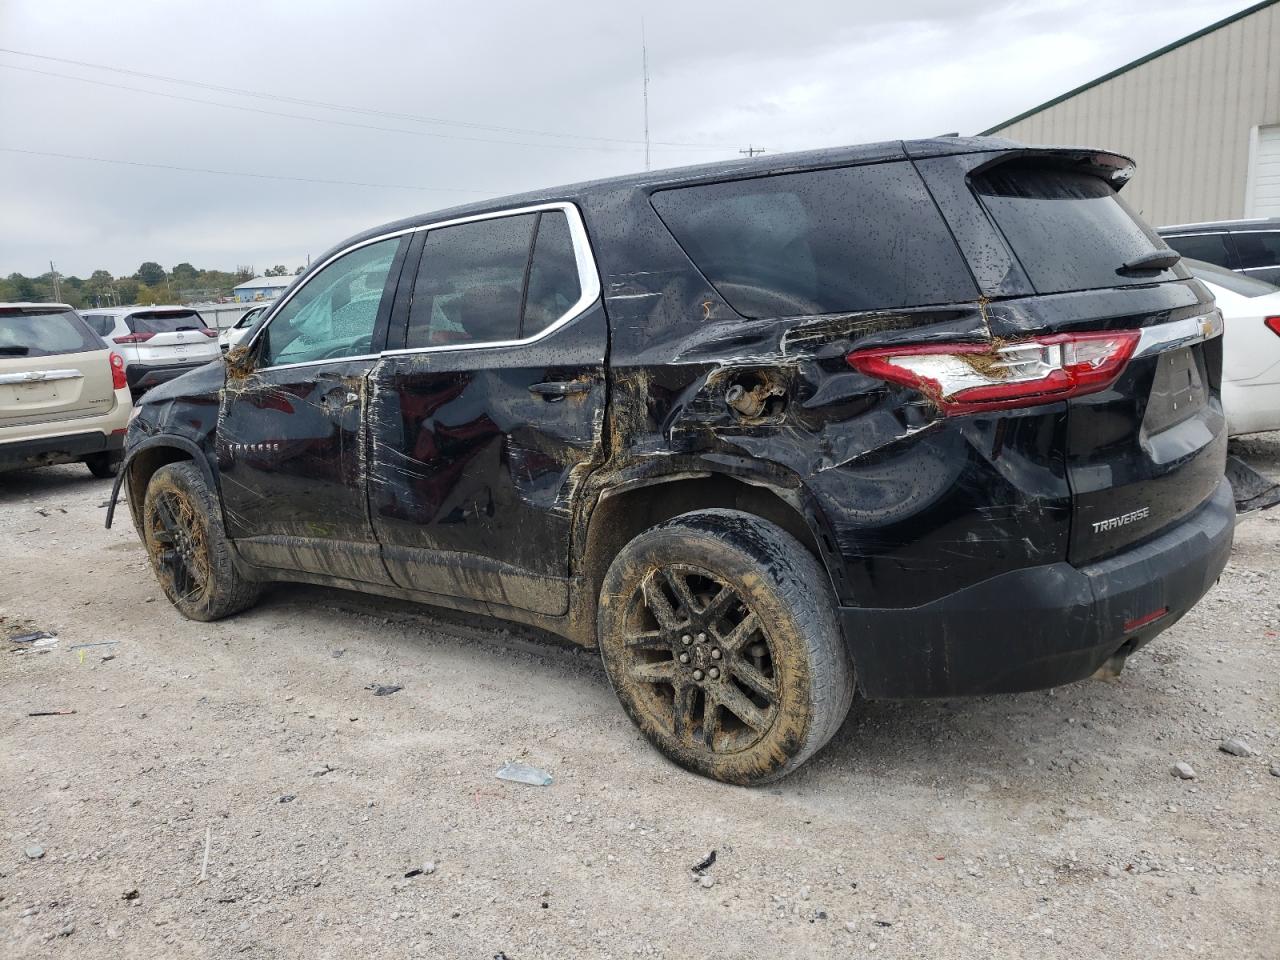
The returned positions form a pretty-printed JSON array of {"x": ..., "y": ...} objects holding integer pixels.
[
  {"x": 46, "y": 451},
  {"x": 143, "y": 377},
  {"x": 1042, "y": 626}
]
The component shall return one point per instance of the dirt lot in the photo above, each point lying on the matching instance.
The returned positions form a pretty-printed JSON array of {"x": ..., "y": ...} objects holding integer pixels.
[{"x": 1043, "y": 825}]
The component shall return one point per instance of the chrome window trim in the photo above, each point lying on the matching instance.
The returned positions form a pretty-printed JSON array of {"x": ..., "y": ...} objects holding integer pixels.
[
  {"x": 1179, "y": 333},
  {"x": 316, "y": 363},
  {"x": 1264, "y": 230},
  {"x": 41, "y": 376},
  {"x": 1196, "y": 233},
  {"x": 1272, "y": 266},
  {"x": 588, "y": 280}
]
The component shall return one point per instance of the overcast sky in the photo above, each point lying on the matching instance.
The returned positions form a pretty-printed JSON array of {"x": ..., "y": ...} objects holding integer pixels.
[{"x": 787, "y": 76}]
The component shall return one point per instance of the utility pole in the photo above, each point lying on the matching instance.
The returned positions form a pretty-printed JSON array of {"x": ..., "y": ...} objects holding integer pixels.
[
  {"x": 751, "y": 151},
  {"x": 644, "y": 66},
  {"x": 57, "y": 287}
]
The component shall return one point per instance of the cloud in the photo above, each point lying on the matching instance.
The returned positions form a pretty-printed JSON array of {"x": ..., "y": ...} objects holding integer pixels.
[{"x": 785, "y": 77}]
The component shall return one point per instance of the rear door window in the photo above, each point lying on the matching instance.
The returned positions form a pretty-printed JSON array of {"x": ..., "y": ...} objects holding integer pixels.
[
  {"x": 1257, "y": 248},
  {"x": 164, "y": 321},
  {"x": 554, "y": 284},
  {"x": 1069, "y": 230},
  {"x": 470, "y": 283},
  {"x": 100, "y": 323},
  {"x": 827, "y": 241},
  {"x": 26, "y": 333},
  {"x": 1209, "y": 247}
]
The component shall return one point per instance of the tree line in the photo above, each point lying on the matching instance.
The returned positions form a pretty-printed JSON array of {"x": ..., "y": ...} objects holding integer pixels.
[{"x": 149, "y": 284}]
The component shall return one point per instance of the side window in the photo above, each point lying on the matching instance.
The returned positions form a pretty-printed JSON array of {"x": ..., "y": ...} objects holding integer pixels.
[
  {"x": 554, "y": 285},
  {"x": 333, "y": 315},
  {"x": 1209, "y": 247},
  {"x": 1258, "y": 248},
  {"x": 470, "y": 283}
]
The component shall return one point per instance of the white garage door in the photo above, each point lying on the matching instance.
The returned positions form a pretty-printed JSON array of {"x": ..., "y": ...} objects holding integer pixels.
[{"x": 1264, "y": 178}]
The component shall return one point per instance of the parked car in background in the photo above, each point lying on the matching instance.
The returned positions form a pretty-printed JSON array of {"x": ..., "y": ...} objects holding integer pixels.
[
  {"x": 243, "y": 327},
  {"x": 930, "y": 418},
  {"x": 1246, "y": 246},
  {"x": 1250, "y": 349},
  {"x": 63, "y": 393},
  {"x": 157, "y": 343}
]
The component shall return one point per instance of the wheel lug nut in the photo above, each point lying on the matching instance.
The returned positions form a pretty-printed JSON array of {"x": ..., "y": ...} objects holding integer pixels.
[
  {"x": 684, "y": 658},
  {"x": 686, "y": 639},
  {"x": 715, "y": 673},
  {"x": 697, "y": 674},
  {"x": 715, "y": 654},
  {"x": 702, "y": 638}
]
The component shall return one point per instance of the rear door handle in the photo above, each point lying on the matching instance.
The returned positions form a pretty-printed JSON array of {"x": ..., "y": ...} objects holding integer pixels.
[{"x": 559, "y": 389}]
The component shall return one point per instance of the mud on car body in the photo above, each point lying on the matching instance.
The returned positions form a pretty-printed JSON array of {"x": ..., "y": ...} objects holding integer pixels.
[{"x": 918, "y": 418}]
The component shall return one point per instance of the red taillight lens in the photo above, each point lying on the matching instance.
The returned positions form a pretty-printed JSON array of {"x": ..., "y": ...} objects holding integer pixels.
[
  {"x": 1273, "y": 324},
  {"x": 134, "y": 338},
  {"x": 209, "y": 332},
  {"x": 967, "y": 377},
  {"x": 118, "y": 380}
]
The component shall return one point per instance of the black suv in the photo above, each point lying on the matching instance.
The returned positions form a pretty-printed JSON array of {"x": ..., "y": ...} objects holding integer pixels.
[
  {"x": 921, "y": 418},
  {"x": 1251, "y": 247}
]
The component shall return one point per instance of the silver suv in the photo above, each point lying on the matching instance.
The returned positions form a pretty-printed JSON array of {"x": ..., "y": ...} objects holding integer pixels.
[{"x": 157, "y": 343}]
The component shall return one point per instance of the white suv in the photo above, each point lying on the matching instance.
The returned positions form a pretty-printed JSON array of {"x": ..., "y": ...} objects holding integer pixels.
[
  {"x": 63, "y": 394},
  {"x": 157, "y": 343}
]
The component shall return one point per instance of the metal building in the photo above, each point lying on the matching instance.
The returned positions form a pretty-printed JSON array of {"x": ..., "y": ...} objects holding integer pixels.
[{"x": 1201, "y": 117}]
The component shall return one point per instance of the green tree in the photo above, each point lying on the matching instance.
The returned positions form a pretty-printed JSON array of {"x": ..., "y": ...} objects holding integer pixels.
[
  {"x": 150, "y": 273},
  {"x": 127, "y": 288},
  {"x": 24, "y": 288},
  {"x": 184, "y": 275},
  {"x": 300, "y": 271},
  {"x": 279, "y": 270}
]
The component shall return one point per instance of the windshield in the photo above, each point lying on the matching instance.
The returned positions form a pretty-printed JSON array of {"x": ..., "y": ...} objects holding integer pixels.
[
  {"x": 1069, "y": 230},
  {"x": 165, "y": 321},
  {"x": 26, "y": 333},
  {"x": 1229, "y": 279}
]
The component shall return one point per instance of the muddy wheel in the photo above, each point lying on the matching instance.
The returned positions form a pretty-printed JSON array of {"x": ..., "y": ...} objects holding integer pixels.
[
  {"x": 103, "y": 465},
  {"x": 718, "y": 631},
  {"x": 182, "y": 531}
]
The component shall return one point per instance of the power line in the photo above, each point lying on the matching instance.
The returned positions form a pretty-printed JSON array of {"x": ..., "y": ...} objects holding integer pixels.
[
  {"x": 241, "y": 173},
  {"x": 327, "y": 120},
  {"x": 368, "y": 111}
]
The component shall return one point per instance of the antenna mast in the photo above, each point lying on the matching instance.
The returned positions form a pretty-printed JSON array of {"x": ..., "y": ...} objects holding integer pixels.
[{"x": 644, "y": 63}]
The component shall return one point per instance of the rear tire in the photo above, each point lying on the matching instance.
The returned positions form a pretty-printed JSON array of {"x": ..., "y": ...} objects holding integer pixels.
[
  {"x": 104, "y": 465},
  {"x": 182, "y": 531},
  {"x": 718, "y": 631}
]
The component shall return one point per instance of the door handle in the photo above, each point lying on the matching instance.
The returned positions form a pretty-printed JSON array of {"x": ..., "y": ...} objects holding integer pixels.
[{"x": 559, "y": 389}]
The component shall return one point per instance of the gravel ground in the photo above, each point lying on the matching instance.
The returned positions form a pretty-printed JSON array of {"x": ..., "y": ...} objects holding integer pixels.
[{"x": 1044, "y": 825}]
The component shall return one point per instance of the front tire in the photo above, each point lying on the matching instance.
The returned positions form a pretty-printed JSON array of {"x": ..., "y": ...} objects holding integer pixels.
[
  {"x": 182, "y": 531},
  {"x": 718, "y": 631}
]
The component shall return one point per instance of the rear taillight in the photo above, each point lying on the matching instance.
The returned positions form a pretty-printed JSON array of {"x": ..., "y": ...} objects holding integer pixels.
[
  {"x": 134, "y": 338},
  {"x": 967, "y": 377},
  {"x": 1273, "y": 324},
  {"x": 118, "y": 380},
  {"x": 208, "y": 332}
]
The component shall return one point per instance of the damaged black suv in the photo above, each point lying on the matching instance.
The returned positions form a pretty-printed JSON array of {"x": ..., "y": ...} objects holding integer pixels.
[{"x": 917, "y": 418}]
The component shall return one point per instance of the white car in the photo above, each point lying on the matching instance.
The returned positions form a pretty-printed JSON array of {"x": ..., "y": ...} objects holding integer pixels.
[
  {"x": 157, "y": 343},
  {"x": 236, "y": 333},
  {"x": 1250, "y": 347},
  {"x": 63, "y": 393}
]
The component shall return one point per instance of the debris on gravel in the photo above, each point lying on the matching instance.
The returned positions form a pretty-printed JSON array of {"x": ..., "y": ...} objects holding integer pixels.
[
  {"x": 1183, "y": 771},
  {"x": 34, "y": 852},
  {"x": 1235, "y": 747}
]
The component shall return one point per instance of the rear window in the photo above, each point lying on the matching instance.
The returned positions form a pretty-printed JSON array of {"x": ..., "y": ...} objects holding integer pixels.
[
  {"x": 164, "y": 321},
  {"x": 1069, "y": 230},
  {"x": 1209, "y": 247},
  {"x": 1230, "y": 280},
  {"x": 827, "y": 241},
  {"x": 25, "y": 333}
]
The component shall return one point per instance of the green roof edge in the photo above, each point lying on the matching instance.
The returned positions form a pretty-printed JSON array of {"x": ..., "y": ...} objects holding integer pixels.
[{"x": 1248, "y": 11}]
